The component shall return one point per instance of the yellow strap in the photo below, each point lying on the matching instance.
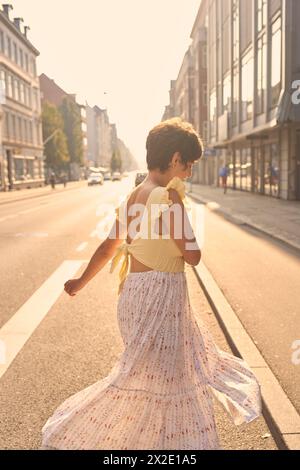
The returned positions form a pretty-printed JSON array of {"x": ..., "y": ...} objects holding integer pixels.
[{"x": 122, "y": 250}]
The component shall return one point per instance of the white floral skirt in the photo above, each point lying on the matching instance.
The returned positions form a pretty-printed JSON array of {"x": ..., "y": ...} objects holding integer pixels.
[{"x": 159, "y": 395}]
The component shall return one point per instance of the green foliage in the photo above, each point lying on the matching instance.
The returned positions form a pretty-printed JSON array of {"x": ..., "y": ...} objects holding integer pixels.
[
  {"x": 70, "y": 112},
  {"x": 116, "y": 162},
  {"x": 56, "y": 149}
]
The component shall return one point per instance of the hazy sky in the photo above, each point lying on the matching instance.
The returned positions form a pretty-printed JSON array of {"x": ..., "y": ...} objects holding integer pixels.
[{"x": 130, "y": 49}]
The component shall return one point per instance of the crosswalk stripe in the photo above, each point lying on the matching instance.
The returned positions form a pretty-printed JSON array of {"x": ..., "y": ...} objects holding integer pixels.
[
  {"x": 82, "y": 246},
  {"x": 17, "y": 330}
]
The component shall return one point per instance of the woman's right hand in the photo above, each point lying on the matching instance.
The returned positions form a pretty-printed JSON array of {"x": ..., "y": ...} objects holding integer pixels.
[{"x": 72, "y": 286}]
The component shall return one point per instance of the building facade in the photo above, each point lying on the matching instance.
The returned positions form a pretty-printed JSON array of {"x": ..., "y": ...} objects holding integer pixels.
[
  {"x": 54, "y": 94},
  {"x": 253, "y": 123},
  {"x": 21, "y": 156}
]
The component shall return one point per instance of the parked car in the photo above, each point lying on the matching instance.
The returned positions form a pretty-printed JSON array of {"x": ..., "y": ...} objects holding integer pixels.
[
  {"x": 139, "y": 178},
  {"x": 95, "y": 178},
  {"x": 116, "y": 176},
  {"x": 107, "y": 175}
]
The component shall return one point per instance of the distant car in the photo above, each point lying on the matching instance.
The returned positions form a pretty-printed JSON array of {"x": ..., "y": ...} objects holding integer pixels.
[
  {"x": 139, "y": 178},
  {"x": 107, "y": 175},
  {"x": 116, "y": 176},
  {"x": 125, "y": 174},
  {"x": 95, "y": 178}
]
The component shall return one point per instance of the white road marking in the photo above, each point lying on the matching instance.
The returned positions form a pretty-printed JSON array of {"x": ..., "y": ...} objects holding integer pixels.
[
  {"x": 31, "y": 234},
  {"x": 12, "y": 216},
  {"x": 93, "y": 234},
  {"x": 82, "y": 246},
  {"x": 15, "y": 332},
  {"x": 27, "y": 211}
]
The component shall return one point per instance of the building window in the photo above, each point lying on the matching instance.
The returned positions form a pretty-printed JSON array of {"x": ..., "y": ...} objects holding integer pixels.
[
  {"x": 236, "y": 28},
  {"x": 226, "y": 93},
  {"x": 9, "y": 86},
  {"x": 16, "y": 57},
  {"x": 20, "y": 129},
  {"x": 26, "y": 62},
  {"x": 2, "y": 87},
  {"x": 205, "y": 131},
  {"x": 30, "y": 132},
  {"x": 13, "y": 125},
  {"x": 2, "y": 47},
  {"x": 204, "y": 94},
  {"x": 261, "y": 12},
  {"x": 29, "y": 168},
  {"x": 276, "y": 62},
  {"x": 245, "y": 169},
  {"x": 261, "y": 74},
  {"x": 38, "y": 140},
  {"x": 25, "y": 130},
  {"x": 19, "y": 168},
  {"x": 236, "y": 93},
  {"x": 22, "y": 93},
  {"x": 213, "y": 113},
  {"x": 21, "y": 58},
  {"x": 204, "y": 56},
  {"x": 6, "y": 126},
  {"x": 9, "y": 51},
  {"x": 16, "y": 90},
  {"x": 247, "y": 86},
  {"x": 35, "y": 99},
  {"x": 33, "y": 67}
]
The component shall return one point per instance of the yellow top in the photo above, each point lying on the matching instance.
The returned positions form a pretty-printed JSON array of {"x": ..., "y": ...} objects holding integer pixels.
[{"x": 161, "y": 254}]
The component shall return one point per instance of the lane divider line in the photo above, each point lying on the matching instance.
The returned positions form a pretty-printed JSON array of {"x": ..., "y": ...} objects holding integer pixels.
[
  {"x": 16, "y": 331},
  {"x": 82, "y": 246}
]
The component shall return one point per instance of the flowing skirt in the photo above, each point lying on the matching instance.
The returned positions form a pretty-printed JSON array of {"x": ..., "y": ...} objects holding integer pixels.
[{"x": 159, "y": 394}]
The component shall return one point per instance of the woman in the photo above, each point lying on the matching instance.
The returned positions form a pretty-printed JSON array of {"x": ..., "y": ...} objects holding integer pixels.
[{"x": 159, "y": 395}]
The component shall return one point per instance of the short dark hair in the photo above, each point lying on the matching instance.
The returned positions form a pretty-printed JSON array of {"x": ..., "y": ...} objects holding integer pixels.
[{"x": 171, "y": 136}]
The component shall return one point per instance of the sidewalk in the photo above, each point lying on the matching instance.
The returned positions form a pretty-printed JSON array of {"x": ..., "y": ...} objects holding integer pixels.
[
  {"x": 277, "y": 218},
  {"x": 22, "y": 194}
]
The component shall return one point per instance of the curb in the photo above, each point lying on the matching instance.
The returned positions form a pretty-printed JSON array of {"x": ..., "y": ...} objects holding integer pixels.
[
  {"x": 280, "y": 414},
  {"x": 239, "y": 220},
  {"x": 32, "y": 196}
]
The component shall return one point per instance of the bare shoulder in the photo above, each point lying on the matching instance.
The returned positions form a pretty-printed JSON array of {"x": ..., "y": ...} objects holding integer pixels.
[{"x": 140, "y": 193}]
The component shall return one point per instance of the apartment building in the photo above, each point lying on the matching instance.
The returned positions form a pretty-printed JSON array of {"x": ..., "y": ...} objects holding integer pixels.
[
  {"x": 252, "y": 65},
  {"x": 251, "y": 121},
  {"x": 54, "y": 94},
  {"x": 21, "y": 155},
  {"x": 99, "y": 136}
]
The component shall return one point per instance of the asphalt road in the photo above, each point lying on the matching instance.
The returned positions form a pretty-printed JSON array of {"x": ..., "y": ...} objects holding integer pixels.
[
  {"x": 76, "y": 341},
  {"x": 260, "y": 278}
]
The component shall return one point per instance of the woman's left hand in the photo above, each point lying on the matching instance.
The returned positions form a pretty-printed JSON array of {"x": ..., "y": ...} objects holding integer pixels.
[{"x": 72, "y": 286}]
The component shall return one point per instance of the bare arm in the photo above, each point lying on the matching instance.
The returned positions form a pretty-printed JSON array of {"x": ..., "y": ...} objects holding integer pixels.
[
  {"x": 102, "y": 255},
  {"x": 180, "y": 224}
]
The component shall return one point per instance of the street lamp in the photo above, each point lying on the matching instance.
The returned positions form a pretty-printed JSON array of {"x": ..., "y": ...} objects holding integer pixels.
[
  {"x": 50, "y": 136},
  {"x": 44, "y": 143}
]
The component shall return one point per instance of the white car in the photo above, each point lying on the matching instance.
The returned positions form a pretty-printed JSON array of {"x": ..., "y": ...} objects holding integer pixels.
[
  {"x": 116, "y": 176},
  {"x": 95, "y": 178}
]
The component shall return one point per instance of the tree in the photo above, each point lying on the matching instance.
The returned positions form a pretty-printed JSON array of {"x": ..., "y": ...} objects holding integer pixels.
[
  {"x": 116, "y": 162},
  {"x": 72, "y": 126},
  {"x": 56, "y": 149}
]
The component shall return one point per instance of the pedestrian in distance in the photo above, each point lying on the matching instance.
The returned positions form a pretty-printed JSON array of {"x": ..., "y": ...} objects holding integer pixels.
[
  {"x": 64, "y": 180},
  {"x": 52, "y": 180},
  {"x": 159, "y": 394},
  {"x": 224, "y": 172}
]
